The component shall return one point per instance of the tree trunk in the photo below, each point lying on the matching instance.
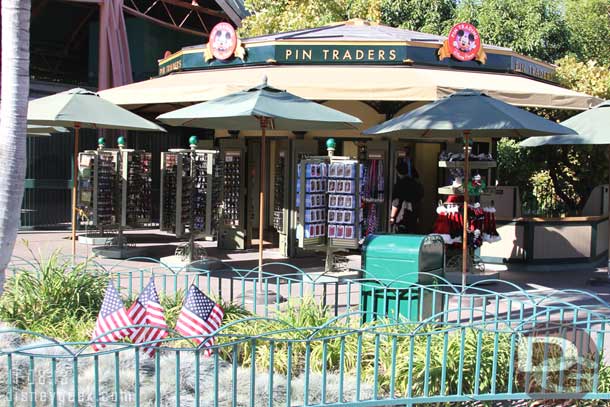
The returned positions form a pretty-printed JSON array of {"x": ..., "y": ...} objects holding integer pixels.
[{"x": 15, "y": 86}]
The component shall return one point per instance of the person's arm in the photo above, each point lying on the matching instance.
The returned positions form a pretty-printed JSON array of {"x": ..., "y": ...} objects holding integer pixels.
[{"x": 394, "y": 210}]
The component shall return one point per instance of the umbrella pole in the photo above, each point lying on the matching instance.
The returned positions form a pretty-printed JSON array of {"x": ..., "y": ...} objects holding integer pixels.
[
  {"x": 465, "y": 228},
  {"x": 261, "y": 209},
  {"x": 74, "y": 183}
]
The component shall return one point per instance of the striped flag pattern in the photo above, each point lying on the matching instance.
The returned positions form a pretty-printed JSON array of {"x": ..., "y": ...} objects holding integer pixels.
[
  {"x": 147, "y": 310},
  {"x": 199, "y": 316},
  {"x": 112, "y": 317}
]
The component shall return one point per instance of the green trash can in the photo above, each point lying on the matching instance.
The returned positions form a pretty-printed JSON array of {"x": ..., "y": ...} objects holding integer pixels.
[{"x": 393, "y": 264}]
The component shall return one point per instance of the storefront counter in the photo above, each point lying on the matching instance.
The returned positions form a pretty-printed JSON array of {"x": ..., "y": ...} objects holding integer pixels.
[{"x": 549, "y": 240}]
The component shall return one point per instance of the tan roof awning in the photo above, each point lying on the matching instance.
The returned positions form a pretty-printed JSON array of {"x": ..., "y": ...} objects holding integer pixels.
[{"x": 345, "y": 83}]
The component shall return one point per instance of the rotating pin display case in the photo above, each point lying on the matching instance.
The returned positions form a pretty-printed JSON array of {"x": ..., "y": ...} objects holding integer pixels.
[
  {"x": 189, "y": 182},
  {"x": 136, "y": 184},
  {"x": 280, "y": 192},
  {"x": 232, "y": 222},
  {"x": 98, "y": 188},
  {"x": 115, "y": 187},
  {"x": 328, "y": 200}
]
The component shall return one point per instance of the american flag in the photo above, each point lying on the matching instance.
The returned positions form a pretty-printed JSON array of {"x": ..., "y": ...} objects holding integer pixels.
[
  {"x": 199, "y": 316},
  {"x": 112, "y": 316},
  {"x": 147, "y": 310}
]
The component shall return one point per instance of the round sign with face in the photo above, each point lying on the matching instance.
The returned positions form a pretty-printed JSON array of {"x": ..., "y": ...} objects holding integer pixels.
[
  {"x": 223, "y": 41},
  {"x": 464, "y": 42}
]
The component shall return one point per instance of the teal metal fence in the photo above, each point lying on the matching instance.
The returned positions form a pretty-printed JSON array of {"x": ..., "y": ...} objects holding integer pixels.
[{"x": 459, "y": 346}]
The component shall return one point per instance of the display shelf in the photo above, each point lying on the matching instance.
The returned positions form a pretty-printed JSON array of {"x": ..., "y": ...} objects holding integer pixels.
[
  {"x": 328, "y": 198},
  {"x": 232, "y": 204},
  {"x": 450, "y": 190},
  {"x": 189, "y": 194},
  {"x": 98, "y": 191},
  {"x": 474, "y": 165}
]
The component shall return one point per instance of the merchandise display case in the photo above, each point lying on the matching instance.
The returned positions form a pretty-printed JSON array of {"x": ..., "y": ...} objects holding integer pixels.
[
  {"x": 328, "y": 200},
  {"x": 136, "y": 183},
  {"x": 98, "y": 188},
  {"x": 114, "y": 188},
  {"x": 189, "y": 193},
  {"x": 280, "y": 192},
  {"x": 232, "y": 222}
]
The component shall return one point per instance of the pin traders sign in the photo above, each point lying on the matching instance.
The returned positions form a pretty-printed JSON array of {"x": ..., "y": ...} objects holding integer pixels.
[
  {"x": 463, "y": 44},
  {"x": 223, "y": 44}
]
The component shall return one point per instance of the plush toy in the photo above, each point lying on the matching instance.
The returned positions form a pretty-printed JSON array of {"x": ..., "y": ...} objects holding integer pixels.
[{"x": 476, "y": 186}]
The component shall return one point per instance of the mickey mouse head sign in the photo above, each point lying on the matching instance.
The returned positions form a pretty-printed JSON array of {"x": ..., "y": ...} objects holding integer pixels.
[
  {"x": 223, "y": 43},
  {"x": 463, "y": 43}
]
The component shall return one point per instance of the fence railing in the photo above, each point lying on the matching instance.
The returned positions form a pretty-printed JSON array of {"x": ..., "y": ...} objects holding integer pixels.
[{"x": 386, "y": 342}]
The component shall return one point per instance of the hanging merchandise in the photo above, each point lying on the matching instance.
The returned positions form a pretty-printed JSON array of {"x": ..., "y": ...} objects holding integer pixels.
[
  {"x": 98, "y": 188},
  {"x": 189, "y": 193},
  {"x": 373, "y": 193},
  {"x": 328, "y": 197},
  {"x": 278, "y": 205},
  {"x": 476, "y": 186},
  {"x": 114, "y": 187},
  {"x": 137, "y": 188},
  {"x": 232, "y": 189},
  {"x": 481, "y": 224}
]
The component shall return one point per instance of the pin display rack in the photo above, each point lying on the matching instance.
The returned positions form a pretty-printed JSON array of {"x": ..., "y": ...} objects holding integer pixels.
[
  {"x": 115, "y": 187},
  {"x": 98, "y": 188},
  {"x": 232, "y": 223},
  {"x": 136, "y": 184},
  {"x": 188, "y": 183},
  {"x": 328, "y": 200},
  {"x": 279, "y": 193}
]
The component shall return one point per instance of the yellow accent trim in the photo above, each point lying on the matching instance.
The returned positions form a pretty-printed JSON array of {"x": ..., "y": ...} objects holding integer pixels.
[{"x": 179, "y": 54}]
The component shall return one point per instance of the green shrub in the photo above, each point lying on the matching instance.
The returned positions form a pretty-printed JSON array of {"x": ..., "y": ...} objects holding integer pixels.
[{"x": 59, "y": 299}]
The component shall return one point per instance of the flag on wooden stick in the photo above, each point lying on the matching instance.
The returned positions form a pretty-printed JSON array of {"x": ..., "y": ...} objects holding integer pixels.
[
  {"x": 147, "y": 310},
  {"x": 112, "y": 321},
  {"x": 200, "y": 317}
]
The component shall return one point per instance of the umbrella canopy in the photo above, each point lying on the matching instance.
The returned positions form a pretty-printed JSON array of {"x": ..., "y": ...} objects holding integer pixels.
[
  {"x": 468, "y": 113},
  {"x": 472, "y": 111},
  {"x": 242, "y": 110},
  {"x": 80, "y": 107},
  {"x": 36, "y": 130},
  {"x": 262, "y": 107},
  {"x": 592, "y": 126}
]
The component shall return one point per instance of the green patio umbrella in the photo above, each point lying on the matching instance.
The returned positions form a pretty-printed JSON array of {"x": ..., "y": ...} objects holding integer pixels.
[
  {"x": 79, "y": 108},
  {"x": 468, "y": 113},
  {"x": 260, "y": 108},
  {"x": 34, "y": 130},
  {"x": 592, "y": 126}
]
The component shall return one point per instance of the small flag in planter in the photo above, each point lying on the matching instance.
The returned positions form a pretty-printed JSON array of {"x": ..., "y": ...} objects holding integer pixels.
[
  {"x": 199, "y": 316},
  {"x": 112, "y": 317},
  {"x": 147, "y": 310}
]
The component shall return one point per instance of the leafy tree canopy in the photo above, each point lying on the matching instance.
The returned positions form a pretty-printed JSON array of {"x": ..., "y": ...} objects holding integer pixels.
[
  {"x": 287, "y": 15},
  {"x": 432, "y": 16},
  {"x": 589, "y": 24},
  {"x": 532, "y": 27}
]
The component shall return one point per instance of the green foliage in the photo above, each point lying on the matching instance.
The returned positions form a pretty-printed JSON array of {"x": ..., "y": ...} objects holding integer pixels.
[
  {"x": 431, "y": 16},
  {"x": 58, "y": 299},
  {"x": 587, "y": 77},
  {"x": 534, "y": 27},
  {"x": 287, "y": 15},
  {"x": 589, "y": 24}
]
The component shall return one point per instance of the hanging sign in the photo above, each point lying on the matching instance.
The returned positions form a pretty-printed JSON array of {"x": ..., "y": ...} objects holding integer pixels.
[
  {"x": 223, "y": 44},
  {"x": 463, "y": 44}
]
